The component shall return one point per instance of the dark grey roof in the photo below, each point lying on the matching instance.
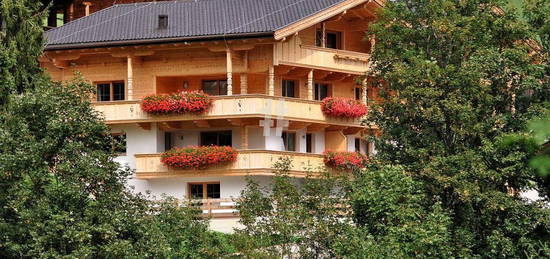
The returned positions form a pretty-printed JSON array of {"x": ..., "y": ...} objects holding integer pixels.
[{"x": 187, "y": 20}]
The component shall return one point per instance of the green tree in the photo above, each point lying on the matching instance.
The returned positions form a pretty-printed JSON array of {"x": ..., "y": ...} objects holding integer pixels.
[
  {"x": 61, "y": 193},
  {"x": 458, "y": 78},
  {"x": 394, "y": 219},
  {"x": 292, "y": 217}
]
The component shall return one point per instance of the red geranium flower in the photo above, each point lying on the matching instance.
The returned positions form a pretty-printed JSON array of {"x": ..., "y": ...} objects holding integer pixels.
[
  {"x": 198, "y": 157},
  {"x": 343, "y": 107},
  {"x": 181, "y": 102},
  {"x": 345, "y": 161}
]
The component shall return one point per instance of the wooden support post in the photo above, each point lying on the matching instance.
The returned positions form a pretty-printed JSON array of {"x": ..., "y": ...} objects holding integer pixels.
[
  {"x": 229, "y": 72},
  {"x": 364, "y": 92},
  {"x": 244, "y": 76},
  {"x": 130, "y": 78},
  {"x": 323, "y": 35},
  {"x": 244, "y": 138},
  {"x": 310, "y": 85},
  {"x": 87, "y": 8},
  {"x": 271, "y": 83},
  {"x": 244, "y": 83}
]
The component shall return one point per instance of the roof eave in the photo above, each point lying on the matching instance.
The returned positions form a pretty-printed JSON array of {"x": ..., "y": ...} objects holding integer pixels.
[
  {"x": 158, "y": 41},
  {"x": 321, "y": 16}
]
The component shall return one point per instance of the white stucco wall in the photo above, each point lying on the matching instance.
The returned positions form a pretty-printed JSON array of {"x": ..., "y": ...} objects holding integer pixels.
[
  {"x": 256, "y": 138},
  {"x": 230, "y": 186}
]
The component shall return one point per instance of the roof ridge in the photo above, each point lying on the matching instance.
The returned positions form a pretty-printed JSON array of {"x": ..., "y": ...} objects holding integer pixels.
[{"x": 168, "y": 2}]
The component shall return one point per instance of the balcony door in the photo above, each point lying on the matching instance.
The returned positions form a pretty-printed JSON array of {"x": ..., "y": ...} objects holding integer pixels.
[
  {"x": 215, "y": 87},
  {"x": 217, "y": 138}
]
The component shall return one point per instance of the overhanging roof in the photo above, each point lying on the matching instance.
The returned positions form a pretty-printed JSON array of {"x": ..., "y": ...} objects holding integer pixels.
[{"x": 187, "y": 20}]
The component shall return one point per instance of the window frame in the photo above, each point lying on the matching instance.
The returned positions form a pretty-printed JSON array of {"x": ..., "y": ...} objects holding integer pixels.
[
  {"x": 202, "y": 142},
  {"x": 204, "y": 190},
  {"x": 284, "y": 90},
  {"x": 309, "y": 143},
  {"x": 218, "y": 81},
  {"x": 285, "y": 140},
  {"x": 316, "y": 93},
  {"x": 111, "y": 90}
]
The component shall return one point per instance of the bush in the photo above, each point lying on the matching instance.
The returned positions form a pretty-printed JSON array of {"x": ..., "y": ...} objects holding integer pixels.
[
  {"x": 343, "y": 107},
  {"x": 195, "y": 102},
  {"x": 199, "y": 157}
]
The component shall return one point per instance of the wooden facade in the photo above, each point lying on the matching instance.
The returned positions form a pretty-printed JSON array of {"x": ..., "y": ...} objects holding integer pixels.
[{"x": 331, "y": 50}]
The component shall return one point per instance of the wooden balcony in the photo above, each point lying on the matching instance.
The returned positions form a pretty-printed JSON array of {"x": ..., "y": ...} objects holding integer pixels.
[
  {"x": 229, "y": 107},
  {"x": 249, "y": 162},
  {"x": 293, "y": 53}
]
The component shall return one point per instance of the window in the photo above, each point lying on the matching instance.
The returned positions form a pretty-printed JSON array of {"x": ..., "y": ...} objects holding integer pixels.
[
  {"x": 289, "y": 140},
  {"x": 309, "y": 144},
  {"x": 357, "y": 145},
  {"x": 333, "y": 39},
  {"x": 119, "y": 145},
  {"x": 358, "y": 93},
  {"x": 111, "y": 91},
  {"x": 216, "y": 138},
  {"x": 289, "y": 88},
  {"x": 215, "y": 87},
  {"x": 163, "y": 21},
  {"x": 321, "y": 91},
  {"x": 168, "y": 141},
  {"x": 204, "y": 190}
]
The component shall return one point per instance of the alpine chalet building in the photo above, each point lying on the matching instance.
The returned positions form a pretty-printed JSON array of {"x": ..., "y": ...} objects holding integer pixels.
[{"x": 270, "y": 69}]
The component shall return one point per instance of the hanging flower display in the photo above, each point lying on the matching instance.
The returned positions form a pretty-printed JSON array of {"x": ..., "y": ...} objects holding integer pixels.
[
  {"x": 343, "y": 107},
  {"x": 195, "y": 102},
  {"x": 345, "y": 161},
  {"x": 198, "y": 157}
]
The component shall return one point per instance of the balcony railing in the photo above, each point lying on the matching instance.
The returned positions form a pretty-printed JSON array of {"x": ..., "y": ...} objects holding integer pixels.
[
  {"x": 293, "y": 53},
  {"x": 249, "y": 162},
  {"x": 216, "y": 208},
  {"x": 228, "y": 107}
]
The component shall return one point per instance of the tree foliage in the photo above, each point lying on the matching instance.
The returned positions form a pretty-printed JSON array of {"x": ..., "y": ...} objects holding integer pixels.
[
  {"x": 458, "y": 78},
  {"x": 61, "y": 192},
  {"x": 293, "y": 218}
]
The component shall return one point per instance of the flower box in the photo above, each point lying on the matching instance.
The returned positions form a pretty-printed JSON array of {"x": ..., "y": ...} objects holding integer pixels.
[
  {"x": 343, "y": 107},
  {"x": 198, "y": 157},
  {"x": 345, "y": 161},
  {"x": 195, "y": 102}
]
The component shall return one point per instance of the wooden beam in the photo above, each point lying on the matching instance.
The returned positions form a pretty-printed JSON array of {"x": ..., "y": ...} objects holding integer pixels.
[
  {"x": 174, "y": 124},
  {"x": 297, "y": 125},
  {"x": 202, "y": 123},
  {"x": 336, "y": 128},
  {"x": 235, "y": 122},
  {"x": 317, "y": 127},
  {"x": 145, "y": 125},
  {"x": 352, "y": 131}
]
